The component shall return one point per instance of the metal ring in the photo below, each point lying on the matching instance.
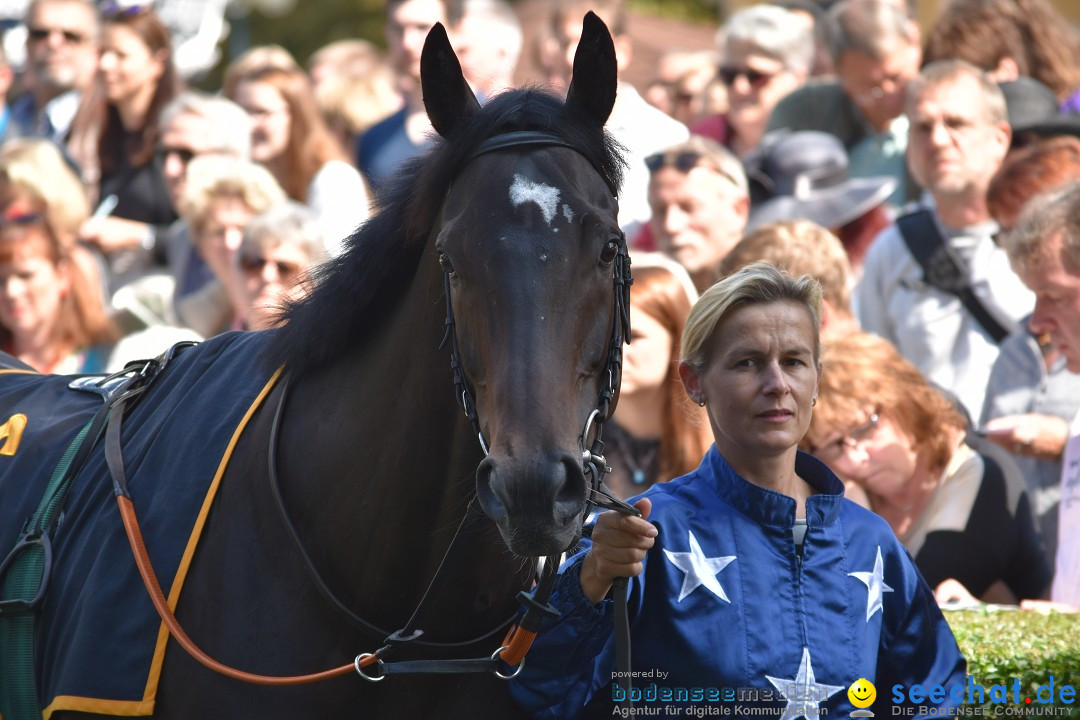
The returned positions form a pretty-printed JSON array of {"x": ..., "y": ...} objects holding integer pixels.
[
  {"x": 360, "y": 670},
  {"x": 520, "y": 665},
  {"x": 588, "y": 426}
]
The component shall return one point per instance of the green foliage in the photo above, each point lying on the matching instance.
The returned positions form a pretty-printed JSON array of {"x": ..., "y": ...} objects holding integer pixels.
[
  {"x": 311, "y": 25},
  {"x": 1002, "y": 647},
  {"x": 703, "y": 11}
]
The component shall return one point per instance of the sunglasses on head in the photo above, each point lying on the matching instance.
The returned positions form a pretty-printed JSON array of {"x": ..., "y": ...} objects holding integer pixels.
[
  {"x": 685, "y": 161},
  {"x": 681, "y": 161},
  {"x": 254, "y": 265},
  {"x": 754, "y": 78},
  {"x": 38, "y": 34}
]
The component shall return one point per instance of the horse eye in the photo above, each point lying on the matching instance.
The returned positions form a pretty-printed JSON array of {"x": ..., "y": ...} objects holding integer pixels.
[
  {"x": 611, "y": 249},
  {"x": 445, "y": 264}
]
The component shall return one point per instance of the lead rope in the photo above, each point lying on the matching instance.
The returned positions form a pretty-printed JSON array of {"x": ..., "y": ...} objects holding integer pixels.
[{"x": 596, "y": 467}]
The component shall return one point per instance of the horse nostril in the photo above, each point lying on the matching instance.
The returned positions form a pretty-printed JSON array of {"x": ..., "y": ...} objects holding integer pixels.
[
  {"x": 571, "y": 495},
  {"x": 486, "y": 492}
]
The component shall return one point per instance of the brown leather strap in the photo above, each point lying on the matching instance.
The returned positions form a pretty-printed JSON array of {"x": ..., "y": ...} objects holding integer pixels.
[{"x": 142, "y": 560}]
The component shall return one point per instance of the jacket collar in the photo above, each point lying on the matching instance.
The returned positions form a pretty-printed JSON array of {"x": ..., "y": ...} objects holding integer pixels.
[{"x": 768, "y": 506}]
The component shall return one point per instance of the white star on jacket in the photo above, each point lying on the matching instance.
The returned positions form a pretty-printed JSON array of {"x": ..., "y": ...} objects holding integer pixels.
[
  {"x": 700, "y": 570},
  {"x": 875, "y": 586},
  {"x": 804, "y": 694}
]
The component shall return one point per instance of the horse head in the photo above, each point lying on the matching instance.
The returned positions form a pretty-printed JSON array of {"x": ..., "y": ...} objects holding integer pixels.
[{"x": 532, "y": 274}]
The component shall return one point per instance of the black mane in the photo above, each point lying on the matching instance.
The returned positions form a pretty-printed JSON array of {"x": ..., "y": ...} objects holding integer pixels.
[{"x": 355, "y": 291}]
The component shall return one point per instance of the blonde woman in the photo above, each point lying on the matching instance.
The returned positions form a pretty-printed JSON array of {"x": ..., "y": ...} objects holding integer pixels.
[
  {"x": 752, "y": 571},
  {"x": 221, "y": 196},
  {"x": 35, "y": 169}
]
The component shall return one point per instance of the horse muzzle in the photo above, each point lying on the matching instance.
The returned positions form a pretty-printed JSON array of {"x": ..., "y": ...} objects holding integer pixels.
[{"x": 537, "y": 501}]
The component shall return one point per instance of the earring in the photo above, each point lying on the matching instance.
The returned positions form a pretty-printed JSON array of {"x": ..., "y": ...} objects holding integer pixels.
[
  {"x": 813, "y": 401},
  {"x": 701, "y": 402}
]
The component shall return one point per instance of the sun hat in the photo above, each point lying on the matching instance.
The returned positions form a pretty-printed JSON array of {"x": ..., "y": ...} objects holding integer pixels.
[
  {"x": 1033, "y": 109},
  {"x": 804, "y": 176}
]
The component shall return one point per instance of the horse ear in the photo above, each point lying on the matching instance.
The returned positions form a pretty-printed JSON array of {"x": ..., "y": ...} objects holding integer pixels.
[
  {"x": 447, "y": 97},
  {"x": 595, "y": 70}
]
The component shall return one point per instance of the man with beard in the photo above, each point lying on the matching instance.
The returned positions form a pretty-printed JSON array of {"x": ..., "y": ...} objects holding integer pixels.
[
  {"x": 935, "y": 283},
  {"x": 61, "y": 58},
  {"x": 1045, "y": 250}
]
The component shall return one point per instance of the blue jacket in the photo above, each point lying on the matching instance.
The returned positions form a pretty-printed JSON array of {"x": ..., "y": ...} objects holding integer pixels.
[{"x": 757, "y": 623}]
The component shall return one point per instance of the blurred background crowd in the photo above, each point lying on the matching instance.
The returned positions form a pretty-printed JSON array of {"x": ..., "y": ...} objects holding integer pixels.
[{"x": 163, "y": 178}]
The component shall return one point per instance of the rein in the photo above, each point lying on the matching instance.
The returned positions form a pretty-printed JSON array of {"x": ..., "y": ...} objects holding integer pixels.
[{"x": 511, "y": 652}]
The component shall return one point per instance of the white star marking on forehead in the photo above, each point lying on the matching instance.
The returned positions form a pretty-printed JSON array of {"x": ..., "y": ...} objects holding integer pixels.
[{"x": 526, "y": 191}]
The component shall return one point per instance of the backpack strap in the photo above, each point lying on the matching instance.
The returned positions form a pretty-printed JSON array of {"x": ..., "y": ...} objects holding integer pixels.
[{"x": 947, "y": 271}]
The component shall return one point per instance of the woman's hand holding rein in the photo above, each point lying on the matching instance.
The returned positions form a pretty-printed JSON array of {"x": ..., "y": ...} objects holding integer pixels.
[{"x": 620, "y": 543}]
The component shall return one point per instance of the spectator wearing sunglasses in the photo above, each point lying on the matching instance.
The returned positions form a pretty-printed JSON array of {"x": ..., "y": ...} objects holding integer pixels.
[
  {"x": 875, "y": 51},
  {"x": 194, "y": 125},
  {"x": 699, "y": 202},
  {"x": 61, "y": 57},
  {"x": 956, "y": 502},
  {"x": 279, "y": 248},
  {"x": 767, "y": 53}
]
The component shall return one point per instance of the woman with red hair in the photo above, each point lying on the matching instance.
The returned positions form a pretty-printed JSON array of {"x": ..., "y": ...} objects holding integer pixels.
[
  {"x": 290, "y": 138},
  {"x": 656, "y": 433}
]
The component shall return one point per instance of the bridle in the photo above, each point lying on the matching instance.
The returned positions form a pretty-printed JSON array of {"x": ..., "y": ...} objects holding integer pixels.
[
  {"x": 594, "y": 465},
  {"x": 517, "y": 641}
]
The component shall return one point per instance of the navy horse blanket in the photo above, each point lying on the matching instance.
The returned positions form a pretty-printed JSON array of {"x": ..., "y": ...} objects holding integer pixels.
[{"x": 100, "y": 644}]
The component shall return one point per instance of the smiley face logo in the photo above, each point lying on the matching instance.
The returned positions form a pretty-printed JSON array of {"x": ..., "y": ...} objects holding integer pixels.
[{"x": 862, "y": 693}]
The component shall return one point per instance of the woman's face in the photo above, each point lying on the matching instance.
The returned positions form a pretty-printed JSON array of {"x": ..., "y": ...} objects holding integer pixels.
[
  {"x": 880, "y": 456},
  {"x": 222, "y": 233},
  {"x": 270, "y": 119},
  {"x": 759, "y": 380},
  {"x": 32, "y": 288},
  {"x": 129, "y": 69},
  {"x": 646, "y": 359},
  {"x": 271, "y": 276}
]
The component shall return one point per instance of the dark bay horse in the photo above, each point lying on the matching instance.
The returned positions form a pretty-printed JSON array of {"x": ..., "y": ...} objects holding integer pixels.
[{"x": 376, "y": 462}]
